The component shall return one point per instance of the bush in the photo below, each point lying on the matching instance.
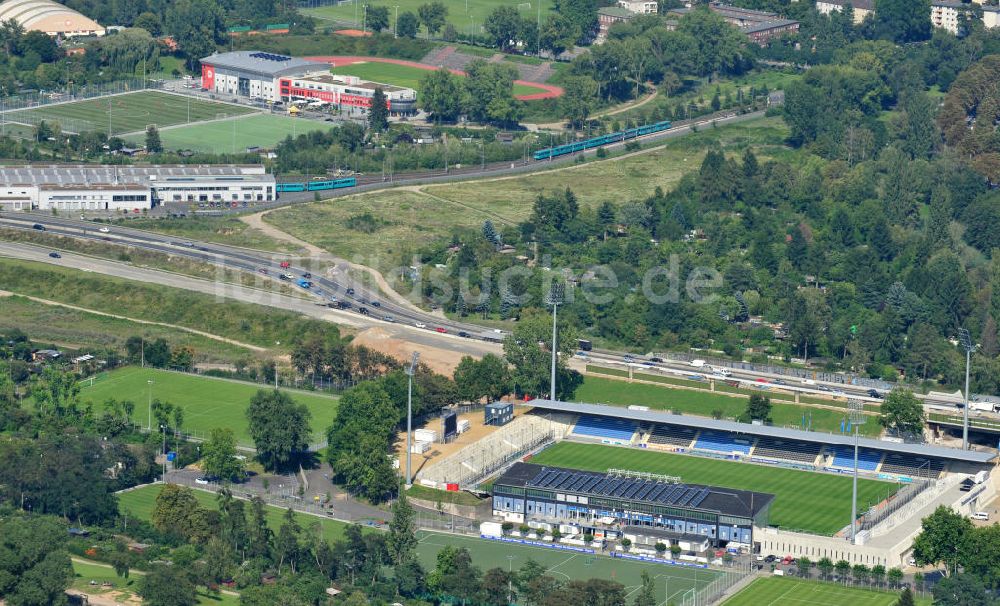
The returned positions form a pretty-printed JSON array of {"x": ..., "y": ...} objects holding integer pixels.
[{"x": 661, "y": 548}]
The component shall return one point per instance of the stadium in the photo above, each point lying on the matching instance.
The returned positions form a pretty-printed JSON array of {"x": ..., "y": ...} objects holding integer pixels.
[{"x": 703, "y": 484}]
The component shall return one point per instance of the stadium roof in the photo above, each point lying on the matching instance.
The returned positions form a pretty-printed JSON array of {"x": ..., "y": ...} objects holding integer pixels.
[
  {"x": 76, "y": 174},
  {"x": 262, "y": 63},
  {"x": 49, "y": 17},
  {"x": 649, "y": 416},
  {"x": 725, "y": 501}
]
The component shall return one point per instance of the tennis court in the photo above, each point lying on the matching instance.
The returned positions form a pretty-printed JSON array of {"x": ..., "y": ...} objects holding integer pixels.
[{"x": 567, "y": 565}]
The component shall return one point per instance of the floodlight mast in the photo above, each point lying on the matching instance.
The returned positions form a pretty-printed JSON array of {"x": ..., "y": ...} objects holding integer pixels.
[
  {"x": 555, "y": 298},
  {"x": 856, "y": 416},
  {"x": 965, "y": 340},
  {"x": 409, "y": 417}
]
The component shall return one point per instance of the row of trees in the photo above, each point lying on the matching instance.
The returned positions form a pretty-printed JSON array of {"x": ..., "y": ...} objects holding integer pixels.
[{"x": 484, "y": 94}]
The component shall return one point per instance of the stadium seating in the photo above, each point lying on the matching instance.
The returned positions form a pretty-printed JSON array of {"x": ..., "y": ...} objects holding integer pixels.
[
  {"x": 672, "y": 435},
  {"x": 910, "y": 465},
  {"x": 721, "y": 442},
  {"x": 788, "y": 450},
  {"x": 604, "y": 427},
  {"x": 843, "y": 456}
]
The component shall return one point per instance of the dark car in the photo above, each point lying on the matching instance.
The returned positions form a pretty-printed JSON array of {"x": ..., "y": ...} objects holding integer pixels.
[
  {"x": 376, "y": 304},
  {"x": 874, "y": 393},
  {"x": 350, "y": 291},
  {"x": 38, "y": 226},
  {"x": 388, "y": 318},
  {"x": 55, "y": 255},
  {"x": 307, "y": 275},
  {"x": 363, "y": 311},
  {"x": 462, "y": 333}
]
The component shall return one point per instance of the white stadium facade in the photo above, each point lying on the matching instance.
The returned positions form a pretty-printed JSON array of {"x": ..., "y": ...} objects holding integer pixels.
[{"x": 50, "y": 17}]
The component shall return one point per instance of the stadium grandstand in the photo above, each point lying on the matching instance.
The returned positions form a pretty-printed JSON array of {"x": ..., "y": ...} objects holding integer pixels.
[
  {"x": 763, "y": 443},
  {"x": 50, "y": 17}
]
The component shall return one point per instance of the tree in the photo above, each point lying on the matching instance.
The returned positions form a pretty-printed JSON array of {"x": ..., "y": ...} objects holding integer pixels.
[
  {"x": 647, "y": 593},
  {"x": 378, "y": 113},
  {"x": 150, "y": 22},
  {"x": 577, "y": 101},
  {"x": 35, "y": 568},
  {"x": 804, "y": 565},
  {"x": 496, "y": 587},
  {"x": 197, "y": 26},
  {"x": 825, "y": 567},
  {"x": 167, "y": 586},
  {"x": 487, "y": 378},
  {"x": 433, "y": 16},
  {"x": 971, "y": 96},
  {"x": 759, "y": 408},
  {"x": 903, "y": 21},
  {"x": 979, "y": 554},
  {"x": 531, "y": 362},
  {"x": 843, "y": 568},
  {"x": 895, "y": 577},
  {"x": 906, "y": 598},
  {"x": 407, "y": 25},
  {"x": 941, "y": 538},
  {"x": 173, "y": 510},
  {"x": 490, "y": 92},
  {"x": 279, "y": 428},
  {"x": 153, "y": 144},
  {"x": 558, "y": 33},
  {"x": 878, "y": 573},
  {"x": 503, "y": 26},
  {"x": 961, "y": 590},
  {"x": 376, "y": 18},
  {"x": 219, "y": 455},
  {"x": 442, "y": 94},
  {"x": 402, "y": 539},
  {"x": 902, "y": 412}
]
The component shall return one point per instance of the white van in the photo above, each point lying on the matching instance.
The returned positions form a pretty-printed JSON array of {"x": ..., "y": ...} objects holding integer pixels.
[
  {"x": 697, "y": 363},
  {"x": 981, "y": 516}
]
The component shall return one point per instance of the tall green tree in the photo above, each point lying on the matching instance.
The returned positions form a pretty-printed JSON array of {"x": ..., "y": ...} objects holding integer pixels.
[
  {"x": 758, "y": 408},
  {"x": 903, "y": 21},
  {"x": 378, "y": 113},
  {"x": 220, "y": 456},
  {"x": 376, "y": 18},
  {"x": 402, "y": 539},
  {"x": 942, "y": 535},
  {"x": 433, "y": 15},
  {"x": 578, "y": 98},
  {"x": 35, "y": 568},
  {"x": 647, "y": 593},
  {"x": 153, "y": 144},
  {"x": 167, "y": 586},
  {"x": 407, "y": 25},
  {"x": 902, "y": 412},
  {"x": 279, "y": 428},
  {"x": 442, "y": 95}
]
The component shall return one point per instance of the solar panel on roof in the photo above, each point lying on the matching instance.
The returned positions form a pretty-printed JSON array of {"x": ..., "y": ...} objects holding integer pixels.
[
  {"x": 701, "y": 496},
  {"x": 661, "y": 489},
  {"x": 636, "y": 489},
  {"x": 688, "y": 496},
  {"x": 593, "y": 481},
  {"x": 675, "y": 494}
]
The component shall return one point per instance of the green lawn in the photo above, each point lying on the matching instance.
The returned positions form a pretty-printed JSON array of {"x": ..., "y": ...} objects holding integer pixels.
[
  {"x": 786, "y": 591},
  {"x": 235, "y": 135},
  {"x": 485, "y": 553},
  {"x": 598, "y": 390},
  {"x": 128, "y": 112},
  {"x": 461, "y": 13},
  {"x": 403, "y": 75},
  {"x": 803, "y": 501},
  {"x": 207, "y": 402}
]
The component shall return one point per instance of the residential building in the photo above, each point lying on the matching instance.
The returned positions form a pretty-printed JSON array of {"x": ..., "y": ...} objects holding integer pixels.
[
  {"x": 639, "y": 7},
  {"x": 862, "y": 8},
  {"x": 760, "y": 26},
  {"x": 608, "y": 16}
]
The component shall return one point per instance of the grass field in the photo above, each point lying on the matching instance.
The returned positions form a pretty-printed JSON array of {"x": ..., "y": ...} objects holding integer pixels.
[
  {"x": 223, "y": 230},
  {"x": 129, "y": 112},
  {"x": 811, "y": 502},
  {"x": 598, "y": 390},
  {"x": 461, "y": 13},
  {"x": 565, "y": 566},
  {"x": 485, "y": 554},
  {"x": 207, "y": 402},
  {"x": 74, "y": 328},
  {"x": 403, "y": 75},
  {"x": 236, "y": 134},
  {"x": 786, "y": 591}
]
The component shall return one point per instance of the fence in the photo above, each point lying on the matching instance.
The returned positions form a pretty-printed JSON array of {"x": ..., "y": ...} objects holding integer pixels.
[
  {"x": 76, "y": 93},
  {"x": 898, "y": 502}
]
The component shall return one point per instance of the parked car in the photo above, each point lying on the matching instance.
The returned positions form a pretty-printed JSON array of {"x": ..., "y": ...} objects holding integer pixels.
[
  {"x": 982, "y": 516},
  {"x": 104, "y": 230},
  {"x": 874, "y": 393}
]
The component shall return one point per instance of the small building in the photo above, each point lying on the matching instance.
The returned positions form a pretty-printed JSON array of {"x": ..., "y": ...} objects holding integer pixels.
[
  {"x": 252, "y": 74},
  {"x": 610, "y": 15},
  {"x": 345, "y": 92},
  {"x": 861, "y": 8},
  {"x": 639, "y": 7},
  {"x": 498, "y": 413},
  {"x": 44, "y": 355},
  {"x": 759, "y": 26}
]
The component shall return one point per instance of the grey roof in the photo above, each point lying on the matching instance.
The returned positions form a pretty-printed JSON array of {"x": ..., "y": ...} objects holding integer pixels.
[
  {"x": 768, "y": 25},
  {"x": 650, "y": 416},
  {"x": 616, "y": 11},
  {"x": 725, "y": 501},
  {"x": 88, "y": 174},
  {"x": 263, "y": 64}
]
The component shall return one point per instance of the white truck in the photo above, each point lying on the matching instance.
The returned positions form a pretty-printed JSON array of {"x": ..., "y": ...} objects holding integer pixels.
[{"x": 982, "y": 406}]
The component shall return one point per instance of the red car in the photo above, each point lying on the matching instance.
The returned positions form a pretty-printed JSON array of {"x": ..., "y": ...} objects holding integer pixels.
[
  {"x": 285, "y": 265},
  {"x": 440, "y": 329}
]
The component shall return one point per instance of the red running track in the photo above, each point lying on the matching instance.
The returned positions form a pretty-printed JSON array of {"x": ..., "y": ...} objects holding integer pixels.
[{"x": 550, "y": 91}]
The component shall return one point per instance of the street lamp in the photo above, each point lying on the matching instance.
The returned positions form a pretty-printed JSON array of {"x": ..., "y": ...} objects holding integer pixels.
[
  {"x": 395, "y": 27},
  {"x": 149, "y": 409},
  {"x": 409, "y": 416},
  {"x": 965, "y": 340},
  {"x": 555, "y": 298},
  {"x": 857, "y": 418}
]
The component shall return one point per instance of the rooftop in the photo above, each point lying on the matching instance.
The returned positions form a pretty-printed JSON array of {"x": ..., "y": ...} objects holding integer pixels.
[
  {"x": 258, "y": 62},
  {"x": 616, "y": 11},
  {"x": 725, "y": 501},
  {"x": 80, "y": 174},
  {"x": 324, "y": 78},
  {"x": 650, "y": 416},
  {"x": 767, "y": 25}
]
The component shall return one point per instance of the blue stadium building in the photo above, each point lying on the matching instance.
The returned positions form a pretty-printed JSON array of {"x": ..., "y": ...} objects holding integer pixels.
[{"x": 622, "y": 502}]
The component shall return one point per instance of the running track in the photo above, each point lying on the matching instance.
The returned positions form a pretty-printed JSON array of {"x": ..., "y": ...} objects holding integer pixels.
[{"x": 551, "y": 91}]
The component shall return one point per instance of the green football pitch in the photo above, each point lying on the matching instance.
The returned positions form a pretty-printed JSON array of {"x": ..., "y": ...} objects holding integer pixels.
[
  {"x": 465, "y": 15},
  {"x": 803, "y": 501},
  {"x": 403, "y": 75},
  {"x": 235, "y": 135},
  {"x": 129, "y": 112},
  {"x": 485, "y": 553},
  {"x": 785, "y": 591},
  {"x": 208, "y": 402}
]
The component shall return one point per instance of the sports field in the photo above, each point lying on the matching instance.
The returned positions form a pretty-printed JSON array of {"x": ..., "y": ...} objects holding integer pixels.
[
  {"x": 208, "y": 402},
  {"x": 129, "y": 112},
  {"x": 403, "y": 75},
  {"x": 811, "y": 502},
  {"x": 485, "y": 553},
  {"x": 461, "y": 13},
  {"x": 786, "y": 591},
  {"x": 567, "y": 566},
  {"x": 236, "y": 134}
]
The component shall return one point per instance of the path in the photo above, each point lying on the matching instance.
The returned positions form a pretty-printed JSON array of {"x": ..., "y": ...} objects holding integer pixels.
[
  {"x": 214, "y": 337},
  {"x": 549, "y": 91},
  {"x": 257, "y": 221},
  {"x": 608, "y": 112}
]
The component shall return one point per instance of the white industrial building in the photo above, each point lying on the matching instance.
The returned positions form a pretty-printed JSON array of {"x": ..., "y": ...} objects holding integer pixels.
[
  {"x": 252, "y": 74},
  {"x": 131, "y": 188}
]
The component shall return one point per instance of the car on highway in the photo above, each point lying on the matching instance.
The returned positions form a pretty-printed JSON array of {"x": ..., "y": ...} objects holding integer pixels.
[
  {"x": 285, "y": 277},
  {"x": 307, "y": 275},
  {"x": 350, "y": 291},
  {"x": 462, "y": 333},
  {"x": 189, "y": 244},
  {"x": 104, "y": 230},
  {"x": 55, "y": 255},
  {"x": 376, "y": 304},
  {"x": 874, "y": 393},
  {"x": 420, "y": 325},
  {"x": 441, "y": 329},
  {"x": 285, "y": 265},
  {"x": 261, "y": 270},
  {"x": 388, "y": 318},
  {"x": 982, "y": 516},
  {"x": 363, "y": 311},
  {"x": 697, "y": 363},
  {"x": 38, "y": 226},
  {"x": 201, "y": 481}
]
